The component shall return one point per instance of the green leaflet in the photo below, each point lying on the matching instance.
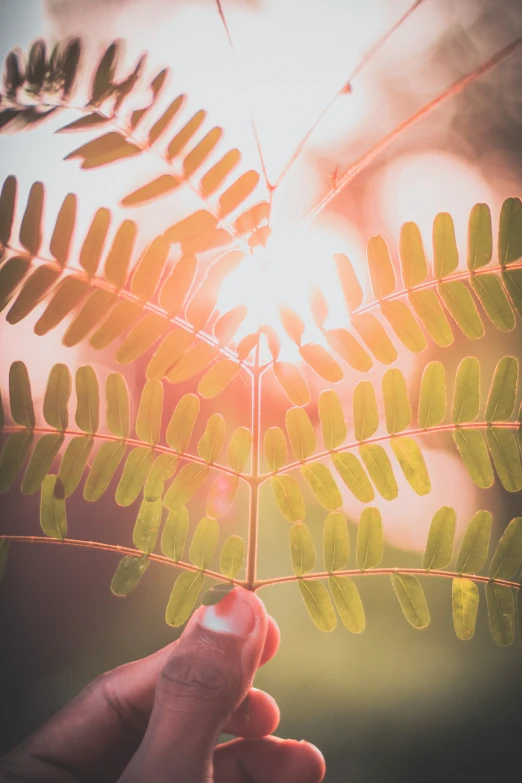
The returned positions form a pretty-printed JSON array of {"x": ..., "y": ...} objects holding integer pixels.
[
  {"x": 14, "y": 453},
  {"x": 322, "y": 484},
  {"x": 183, "y": 597},
  {"x": 365, "y": 415},
  {"x": 317, "y": 601},
  {"x": 288, "y": 497},
  {"x": 473, "y": 551},
  {"x": 352, "y": 473},
  {"x": 300, "y": 432},
  {"x": 440, "y": 539},
  {"x": 4, "y": 552},
  {"x": 120, "y": 254},
  {"x": 181, "y": 426},
  {"x": 163, "y": 468},
  {"x": 512, "y": 280},
  {"x": 275, "y": 448},
  {"x": 430, "y": 313},
  {"x": 193, "y": 361},
  {"x": 380, "y": 265},
  {"x": 57, "y": 397},
  {"x": 302, "y": 551},
  {"x": 412, "y": 600},
  {"x": 404, "y": 324},
  {"x": 20, "y": 397},
  {"x": 292, "y": 383},
  {"x": 218, "y": 377},
  {"x": 466, "y": 397},
  {"x": 103, "y": 468},
  {"x": 333, "y": 425},
  {"x": 510, "y": 231},
  {"x": 141, "y": 337},
  {"x": 12, "y": 273},
  {"x": 74, "y": 462},
  {"x": 119, "y": 319},
  {"x": 31, "y": 226},
  {"x": 94, "y": 309},
  {"x": 147, "y": 525},
  {"x": 148, "y": 421},
  {"x": 148, "y": 270},
  {"x": 211, "y": 442},
  {"x": 411, "y": 460},
  {"x": 216, "y": 593},
  {"x": 41, "y": 462},
  {"x": 345, "y": 344},
  {"x": 480, "y": 240},
  {"x": 508, "y": 554},
  {"x": 239, "y": 448},
  {"x": 494, "y": 301},
  {"x": 336, "y": 543},
  {"x": 53, "y": 519},
  {"x": 379, "y": 467},
  {"x": 204, "y": 542},
  {"x": 172, "y": 347},
  {"x": 501, "y": 613},
  {"x": 413, "y": 260},
  {"x": 221, "y": 494},
  {"x": 90, "y": 254},
  {"x": 175, "y": 533},
  {"x": 432, "y": 400},
  {"x": 396, "y": 404},
  {"x": 35, "y": 288},
  {"x": 118, "y": 407},
  {"x": 88, "y": 400},
  {"x": 128, "y": 573},
  {"x": 445, "y": 253},
  {"x": 232, "y": 555},
  {"x": 474, "y": 453},
  {"x": 348, "y": 602},
  {"x": 464, "y": 605},
  {"x": 502, "y": 394},
  {"x": 185, "y": 485},
  {"x": 375, "y": 337},
  {"x": 370, "y": 541},
  {"x": 462, "y": 307},
  {"x": 68, "y": 294},
  {"x": 135, "y": 471},
  {"x": 506, "y": 457}
]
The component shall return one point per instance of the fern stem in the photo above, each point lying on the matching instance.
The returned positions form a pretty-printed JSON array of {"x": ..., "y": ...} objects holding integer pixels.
[
  {"x": 253, "y": 519},
  {"x": 381, "y": 571},
  {"x": 472, "y": 425},
  {"x": 121, "y": 550},
  {"x": 368, "y": 157},
  {"x": 131, "y": 442}
]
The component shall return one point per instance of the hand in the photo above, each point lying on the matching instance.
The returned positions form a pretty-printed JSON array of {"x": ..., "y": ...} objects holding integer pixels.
[{"x": 158, "y": 720}]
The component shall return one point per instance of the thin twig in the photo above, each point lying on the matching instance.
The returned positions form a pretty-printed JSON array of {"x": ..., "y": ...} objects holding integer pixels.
[
  {"x": 253, "y": 520},
  {"x": 385, "y": 142}
]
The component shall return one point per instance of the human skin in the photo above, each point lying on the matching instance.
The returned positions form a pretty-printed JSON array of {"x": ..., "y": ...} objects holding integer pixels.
[{"x": 158, "y": 719}]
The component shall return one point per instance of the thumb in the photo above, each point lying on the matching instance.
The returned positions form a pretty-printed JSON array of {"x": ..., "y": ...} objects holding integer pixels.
[{"x": 205, "y": 678}]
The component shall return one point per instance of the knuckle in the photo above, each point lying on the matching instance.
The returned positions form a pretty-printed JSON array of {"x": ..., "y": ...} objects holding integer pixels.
[{"x": 131, "y": 721}]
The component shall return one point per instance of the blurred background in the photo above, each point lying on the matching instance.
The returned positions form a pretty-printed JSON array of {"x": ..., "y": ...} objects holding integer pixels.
[{"x": 393, "y": 704}]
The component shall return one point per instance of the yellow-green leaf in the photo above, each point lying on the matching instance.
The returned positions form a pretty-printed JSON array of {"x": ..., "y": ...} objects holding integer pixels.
[
  {"x": 508, "y": 554},
  {"x": 503, "y": 391},
  {"x": 374, "y": 335},
  {"x": 147, "y": 524},
  {"x": 163, "y": 468},
  {"x": 432, "y": 401},
  {"x": 135, "y": 472},
  {"x": 183, "y": 597},
  {"x": 412, "y": 600},
  {"x": 411, "y": 460},
  {"x": 445, "y": 253},
  {"x": 473, "y": 551},
  {"x": 20, "y": 398},
  {"x": 510, "y": 231},
  {"x": 88, "y": 400},
  {"x": 404, "y": 324},
  {"x": 429, "y": 311},
  {"x": 232, "y": 555},
  {"x": 300, "y": 432},
  {"x": 192, "y": 362},
  {"x": 336, "y": 543},
  {"x": 239, "y": 448},
  {"x": 365, "y": 415},
  {"x": 462, "y": 308},
  {"x": 474, "y": 453},
  {"x": 370, "y": 540},
  {"x": 14, "y": 453},
  {"x": 74, "y": 462},
  {"x": 275, "y": 448},
  {"x": 413, "y": 260},
  {"x": 172, "y": 347},
  {"x": 288, "y": 497},
  {"x": 440, "y": 539},
  {"x": 348, "y": 602},
  {"x": 322, "y": 484},
  {"x": 128, "y": 573},
  {"x": 512, "y": 280},
  {"x": 53, "y": 519},
  {"x": 181, "y": 426},
  {"x": 218, "y": 377},
  {"x": 302, "y": 551},
  {"x": 480, "y": 240},
  {"x": 148, "y": 421},
  {"x": 347, "y": 347},
  {"x": 175, "y": 533},
  {"x": 321, "y": 362},
  {"x": 105, "y": 464},
  {"x": 118, "y": 407},
  {"x": 41, "y": 462},
  {"x": 317, "y": 600},
  {"x": 185, "y": 485},
  {"x": 380, "y": 265},
  {"x": 211, "y": 442},
  {"x": 221, "y": 494},
  {"x": 501, "y": 613},
  {"x": 141, "y": 337},
  {"x": 396, "y": 404},
  {"x": 464, "y": 604},
  {"x": 292, "y": 383},
  {"x": 57, "y": 397},
  {"x": 333, "y": 425},
  {"x": 379, "y": 467},
  {"x": 466, "y": 398},
  {"x": 506, "y": 457},
  {"x": 204, "y": 542},
  {"x": 352, "y": 473},
  {"x": 489, "y": 290}
]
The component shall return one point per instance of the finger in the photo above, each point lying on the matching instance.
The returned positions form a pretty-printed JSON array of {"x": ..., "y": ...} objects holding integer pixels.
[
  {"x": 271, "y": 758},
  {"x": 273, "y": 638},
  {"x": 256, "y": 717},
  {"x": 204, "y": 680}
]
